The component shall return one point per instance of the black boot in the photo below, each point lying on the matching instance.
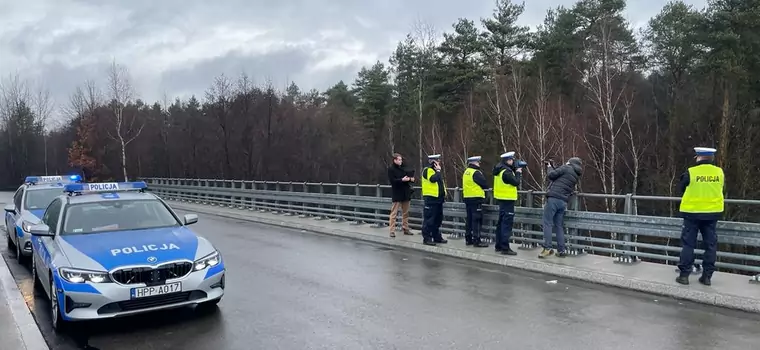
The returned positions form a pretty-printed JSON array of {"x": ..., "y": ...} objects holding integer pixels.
[
  {"x": 705, "y": 280},
  {"x": 508, "y": 252},
  {"x": 683, "y": 279}
]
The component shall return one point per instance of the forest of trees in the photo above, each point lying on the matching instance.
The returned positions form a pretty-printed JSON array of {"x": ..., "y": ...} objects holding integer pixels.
[{"x": 631, "y": 103}]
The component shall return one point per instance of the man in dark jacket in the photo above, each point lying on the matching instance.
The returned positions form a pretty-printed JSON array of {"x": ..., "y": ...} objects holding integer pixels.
[
  {"x": 562, "y": 187},
  {"x": 506, "y": 181},
  {"x": 473, "y": 190},
  {"x": 401, "y": 193}
]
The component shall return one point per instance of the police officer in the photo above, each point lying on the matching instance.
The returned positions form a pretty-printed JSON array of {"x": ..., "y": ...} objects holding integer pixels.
[
  {"x": 433, "y": 194},
  {"x": 701, "y": 207},
  {"x": 506, "y": 180},
  {"x": 474, "y": 185}
]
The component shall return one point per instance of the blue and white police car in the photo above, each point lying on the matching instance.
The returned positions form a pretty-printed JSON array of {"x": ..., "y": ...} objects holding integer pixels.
[
  {"x": 106, "y": 250},
  {"x": 29, "y": 202}
]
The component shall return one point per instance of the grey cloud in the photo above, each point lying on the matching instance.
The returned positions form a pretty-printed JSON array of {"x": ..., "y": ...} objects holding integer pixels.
[
  {"x": 198, "y": 78},
  {"x": 168, "y": 45}
]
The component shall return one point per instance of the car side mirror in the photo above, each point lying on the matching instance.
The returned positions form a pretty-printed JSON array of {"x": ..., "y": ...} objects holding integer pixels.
[
  {"x": 41, "y": 230},
  {"x": 10, "y": 208},
  {"x": 190, "y": 219}
]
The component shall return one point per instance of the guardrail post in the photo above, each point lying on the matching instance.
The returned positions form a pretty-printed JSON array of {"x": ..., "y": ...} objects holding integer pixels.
[
  {"x": 378, "y": 194},
  {"x": 289, "y": 206},
  {"x": 456, "y": 198},
  {"x": 276, "y": 203},
  {"x": 626, "y": 257},
  {"x": 526, "y": 245},
  {"x": 304, "y": 206},
  {"x": 338, "y": 208},
  {"x": 321, "y": 210},
  {"x": 203, "y": 199},
  {"x": 357, "y": 212},
  {"x": 575, "y": 245}
]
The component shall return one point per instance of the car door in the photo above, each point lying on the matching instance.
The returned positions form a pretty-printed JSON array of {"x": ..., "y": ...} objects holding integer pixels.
[
  {"x": 11, "y": 219},
  {"x": 45, "y": 248}
]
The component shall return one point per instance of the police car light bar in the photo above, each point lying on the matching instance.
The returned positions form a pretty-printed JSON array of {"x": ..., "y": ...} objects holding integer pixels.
[
  {"x": 55, "y": 178},
  {"x": 105, "y": 187}
]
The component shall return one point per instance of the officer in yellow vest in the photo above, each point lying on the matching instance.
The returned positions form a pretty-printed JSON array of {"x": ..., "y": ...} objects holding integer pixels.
[
  {"x": 433, "y": 195},
  {"x": 701, "y": 207},
  {"x": 473, "y": 186},
  {"x": 506, "y": 180}
]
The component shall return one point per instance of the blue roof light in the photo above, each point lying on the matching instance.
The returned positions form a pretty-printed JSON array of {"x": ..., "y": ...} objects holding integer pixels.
[
  {"x": 105, "y": 187},
  {"x": 51, "y": 179}
]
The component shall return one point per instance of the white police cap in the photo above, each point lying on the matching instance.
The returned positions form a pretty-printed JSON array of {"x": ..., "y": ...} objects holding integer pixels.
[
  {"x": 704, "y": 151},
  {"x": 434, "y": 157},
  {"x": 508, "y": 155},
  {"x": 474, "y": 159}
]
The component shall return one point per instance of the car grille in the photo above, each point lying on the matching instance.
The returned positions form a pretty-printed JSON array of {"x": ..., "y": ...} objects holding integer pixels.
[
  {"x": 150, "y": 275},
  {"x": 149, "y": 302}
]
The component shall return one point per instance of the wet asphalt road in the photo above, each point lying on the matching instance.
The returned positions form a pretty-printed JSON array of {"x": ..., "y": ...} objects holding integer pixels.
[{"x": 293, "y": 290}]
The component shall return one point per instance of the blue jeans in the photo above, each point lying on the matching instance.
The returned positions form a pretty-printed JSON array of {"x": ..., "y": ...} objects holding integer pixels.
[{"x": 554, "y": 215}]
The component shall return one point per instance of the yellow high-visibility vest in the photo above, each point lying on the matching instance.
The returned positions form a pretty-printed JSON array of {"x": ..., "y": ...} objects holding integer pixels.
[
  {"x": 430, "y": 188},
  {"x": 705, "y": 191},
  {"x": 503, "y": 190},
  {"x": 469, "y": 187}
]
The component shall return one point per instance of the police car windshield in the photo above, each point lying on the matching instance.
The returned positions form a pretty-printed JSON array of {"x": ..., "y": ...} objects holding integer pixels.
[
  {"x": 118, "y": 215},
  {"x": 40, "y": 199}
]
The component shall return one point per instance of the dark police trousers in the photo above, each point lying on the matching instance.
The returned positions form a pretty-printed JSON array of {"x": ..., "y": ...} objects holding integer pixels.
[
  {"x": 432, "y": 217},
  {"x": 689, "y": 242},
  {"x": 504, "y": 226},
  {"x": 474, "y": 222}
]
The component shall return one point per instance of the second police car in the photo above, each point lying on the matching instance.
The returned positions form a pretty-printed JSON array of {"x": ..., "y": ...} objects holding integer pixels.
[
  {"x": 29, "y": 202},
  {"x": 111, "y": 249}
]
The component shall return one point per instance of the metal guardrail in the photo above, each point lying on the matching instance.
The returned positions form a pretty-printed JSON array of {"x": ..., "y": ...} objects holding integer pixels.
[{"x": 628, "y": 237}]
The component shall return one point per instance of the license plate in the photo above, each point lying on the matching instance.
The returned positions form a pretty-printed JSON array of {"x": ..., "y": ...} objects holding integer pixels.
[{"x": 143, "y": 292}]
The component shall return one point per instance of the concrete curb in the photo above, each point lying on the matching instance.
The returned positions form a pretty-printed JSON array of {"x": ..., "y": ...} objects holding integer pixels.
[
  {"x": 31, "y": 335},
  {"x": 587, "y": 275}
]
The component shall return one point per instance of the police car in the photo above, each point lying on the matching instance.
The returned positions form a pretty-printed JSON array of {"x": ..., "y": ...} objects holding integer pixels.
[
  {"x": 29, "y": 202},
  {"x": 106, "y": 250}
]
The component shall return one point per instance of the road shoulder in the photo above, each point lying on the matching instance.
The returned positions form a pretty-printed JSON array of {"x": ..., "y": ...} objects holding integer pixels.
[
  {"x": 728, "y": 290},
  {"x": 27, "y": 334}
]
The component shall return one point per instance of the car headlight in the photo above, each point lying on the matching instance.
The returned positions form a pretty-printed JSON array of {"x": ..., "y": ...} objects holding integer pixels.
[
  {"x": 210, "y": 260},
  {"x": 81, "y": 276}
]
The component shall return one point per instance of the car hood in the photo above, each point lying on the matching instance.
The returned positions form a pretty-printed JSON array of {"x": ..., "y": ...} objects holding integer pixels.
[{"x": 134, "y": 247}]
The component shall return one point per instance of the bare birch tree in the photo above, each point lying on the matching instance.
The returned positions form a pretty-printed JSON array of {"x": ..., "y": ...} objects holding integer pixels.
[
  {"x": 606, "y": 80},
  {"x": 426, "y": 41},
  {"x": 122, "y": 94},
  {"x": 542, "y": 141},
  {"x": 43, "y": 106}
]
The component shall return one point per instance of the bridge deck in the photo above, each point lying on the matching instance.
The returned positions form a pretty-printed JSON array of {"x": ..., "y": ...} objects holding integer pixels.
[{"x": 728, "y": 290}]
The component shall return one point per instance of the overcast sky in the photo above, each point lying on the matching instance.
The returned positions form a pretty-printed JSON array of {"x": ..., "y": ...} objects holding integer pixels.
[{"x": 178, "y": 47}]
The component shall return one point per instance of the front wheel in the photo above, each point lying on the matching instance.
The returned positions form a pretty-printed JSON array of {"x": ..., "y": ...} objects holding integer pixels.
[
  {"x": 35, "y": 276},
  {"x": 55, "y": 311},
  {"x": 19, "y": 257}
]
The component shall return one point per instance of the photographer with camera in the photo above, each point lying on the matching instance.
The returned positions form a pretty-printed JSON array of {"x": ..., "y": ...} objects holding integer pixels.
[
  {"x": 561, "y": 188},
  {"x": 507, "y": 177}
]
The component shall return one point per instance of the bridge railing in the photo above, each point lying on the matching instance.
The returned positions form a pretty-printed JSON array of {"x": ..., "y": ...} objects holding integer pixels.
[{"x": 627, "y": 237}]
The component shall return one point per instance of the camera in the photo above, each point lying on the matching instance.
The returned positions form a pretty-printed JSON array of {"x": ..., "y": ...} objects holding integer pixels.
[{"x": 521, "y": 164}]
